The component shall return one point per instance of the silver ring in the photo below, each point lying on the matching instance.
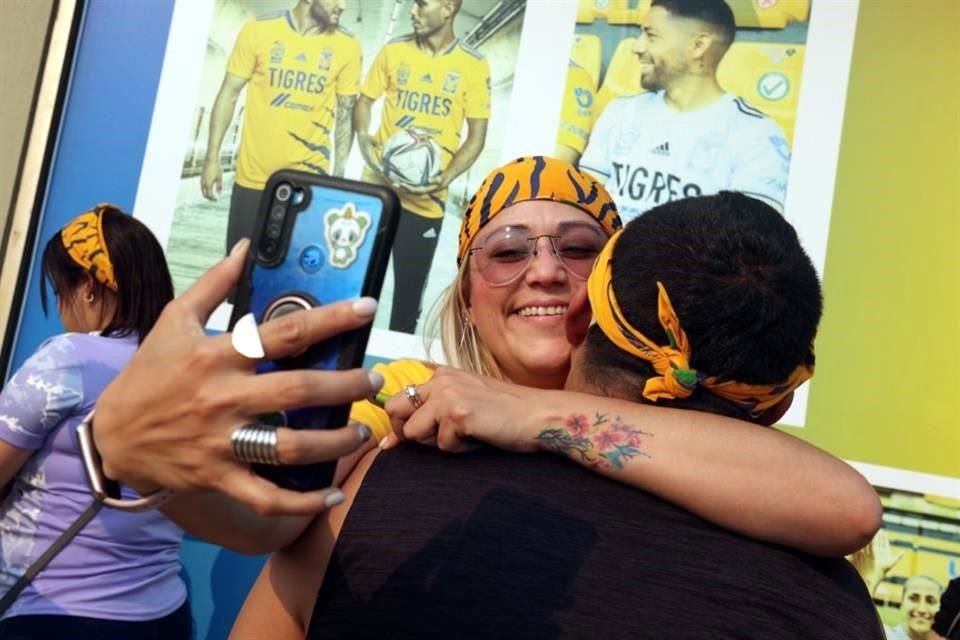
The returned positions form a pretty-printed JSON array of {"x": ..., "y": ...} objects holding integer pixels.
[
  {"x": 413, "y": 396},
  {"x": 255, "y": 443}
]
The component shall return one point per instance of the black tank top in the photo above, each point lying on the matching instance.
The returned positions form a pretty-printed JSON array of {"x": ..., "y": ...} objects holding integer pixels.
[{"x": 500, "y": 545}]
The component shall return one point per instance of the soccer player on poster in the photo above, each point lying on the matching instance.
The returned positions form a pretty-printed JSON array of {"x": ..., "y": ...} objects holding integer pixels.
[
  {"x": 430, "y": 82},
  {"x": 576, "y": 114},
  {"x": 302, "y": 73},
  {"x": 685, "y": 136}
]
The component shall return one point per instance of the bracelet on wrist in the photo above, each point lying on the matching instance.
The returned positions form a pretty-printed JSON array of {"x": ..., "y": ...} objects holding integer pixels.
[{"x": 104, "y": 489}]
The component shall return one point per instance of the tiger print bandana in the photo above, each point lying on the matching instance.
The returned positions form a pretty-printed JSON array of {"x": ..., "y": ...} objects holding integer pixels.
[
  {"x": 83, "y": 239},
  {"x": 676, "y": 379},
  {"x": 536, "y": 178}
]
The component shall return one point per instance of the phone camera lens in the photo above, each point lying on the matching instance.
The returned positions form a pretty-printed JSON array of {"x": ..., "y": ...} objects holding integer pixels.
[
  {"x": 268, "y": 248},
  {"x": 273, "y": 230},
  {"x": 277, "y": 212},
  {"x": 283, "y": 192}
]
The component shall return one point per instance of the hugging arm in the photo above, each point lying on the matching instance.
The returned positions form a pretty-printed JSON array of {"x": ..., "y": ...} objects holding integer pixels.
[
  {"x": 751, "y": 479},
  {"x": 217, "y": 518}
]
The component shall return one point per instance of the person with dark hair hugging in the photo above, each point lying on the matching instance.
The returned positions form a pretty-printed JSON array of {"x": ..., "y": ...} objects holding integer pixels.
[{"x": 706, "y": 304}]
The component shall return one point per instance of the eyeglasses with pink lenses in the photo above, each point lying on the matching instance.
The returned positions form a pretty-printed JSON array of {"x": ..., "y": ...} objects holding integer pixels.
[{"x": 506, "y": 252}]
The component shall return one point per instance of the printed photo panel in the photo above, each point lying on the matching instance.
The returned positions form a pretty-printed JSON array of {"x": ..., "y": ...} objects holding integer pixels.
[
  {"x": 271, "y": 98},
  {"x": 912, "y": 560},
  {"x": 657, "y": 123},
  {"x": 535, "y": 76}
]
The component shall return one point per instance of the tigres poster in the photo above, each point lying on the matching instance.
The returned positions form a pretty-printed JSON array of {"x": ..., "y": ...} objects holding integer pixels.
[
  {"x": 290, "y": 111},
  {"x": 501, "y": 71}
]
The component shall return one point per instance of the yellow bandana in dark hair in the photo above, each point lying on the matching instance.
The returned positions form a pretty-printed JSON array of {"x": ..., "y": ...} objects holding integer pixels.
[
  {"x": 536, "y": 178},
  {"x": 83, "y": 239},
  {"x": 676, "y": 379}
]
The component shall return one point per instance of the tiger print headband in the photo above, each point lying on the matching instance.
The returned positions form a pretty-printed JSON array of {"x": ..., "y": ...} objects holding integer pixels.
[
  {"x": 536, "y": 178},
  {"x": 83, "y": 239},
  {"x": 676, "y": 378}
]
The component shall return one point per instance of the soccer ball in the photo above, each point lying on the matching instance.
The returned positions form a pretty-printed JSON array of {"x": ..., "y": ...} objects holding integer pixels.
[{"x": 411, "y": 157}]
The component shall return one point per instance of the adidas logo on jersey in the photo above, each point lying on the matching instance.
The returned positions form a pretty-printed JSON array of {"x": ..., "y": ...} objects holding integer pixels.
[
  {"x": 426, "y": 78},
  {"x": 302, "y": 57},
  {"x": 661, "y": 149}
]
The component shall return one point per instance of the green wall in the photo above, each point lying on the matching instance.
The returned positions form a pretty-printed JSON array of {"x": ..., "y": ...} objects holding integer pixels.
[{"x": 887, "y": 388}]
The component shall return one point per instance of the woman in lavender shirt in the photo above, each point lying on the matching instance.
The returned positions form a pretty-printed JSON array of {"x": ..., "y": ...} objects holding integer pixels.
[{"x": 119, "y": 577}]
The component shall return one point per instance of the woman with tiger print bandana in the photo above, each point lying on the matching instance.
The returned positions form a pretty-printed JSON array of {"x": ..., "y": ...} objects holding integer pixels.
[
  {"x": 118, "y": 576},
  {"x": 528, "y": 243},
  {"x": 527, "y": 246}
]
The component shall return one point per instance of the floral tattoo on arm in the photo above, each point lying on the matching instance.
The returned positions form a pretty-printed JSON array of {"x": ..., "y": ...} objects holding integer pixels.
[{"x": 601, "y": 443}]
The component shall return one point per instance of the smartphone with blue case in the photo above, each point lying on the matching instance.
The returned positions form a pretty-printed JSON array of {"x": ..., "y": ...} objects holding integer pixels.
[{"x": 317, "y": 240}]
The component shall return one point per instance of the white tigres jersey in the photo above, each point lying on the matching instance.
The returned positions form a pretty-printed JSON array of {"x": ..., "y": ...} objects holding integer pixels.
[{"x": 647, "y": 153}]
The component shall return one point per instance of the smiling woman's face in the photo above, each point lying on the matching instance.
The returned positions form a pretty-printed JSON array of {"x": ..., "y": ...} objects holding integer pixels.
[
  {"x": 921, "y": 601},
  {"x": 522, "y": 323}
]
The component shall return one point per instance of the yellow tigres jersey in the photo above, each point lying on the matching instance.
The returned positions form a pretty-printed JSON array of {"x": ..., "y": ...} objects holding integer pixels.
[
  {"x": 431, "y": 93},
  {"x": 578, "y": 112},
  {"x": 292, "y": 89},
  {"x": 396, "y": 375}
]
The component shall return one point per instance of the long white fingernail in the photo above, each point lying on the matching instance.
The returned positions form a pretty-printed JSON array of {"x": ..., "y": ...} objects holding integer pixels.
[
  {"x": 376, "y": 380},
  {"x": 239, "y": 246},
  {"x": 365, "y": 306},
  {"x": 388, "y": 442},
  {"x": 333, "y": 498}
]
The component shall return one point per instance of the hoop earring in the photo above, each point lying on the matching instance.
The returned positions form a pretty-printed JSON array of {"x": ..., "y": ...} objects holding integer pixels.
[{"x": 88, "y": 298}]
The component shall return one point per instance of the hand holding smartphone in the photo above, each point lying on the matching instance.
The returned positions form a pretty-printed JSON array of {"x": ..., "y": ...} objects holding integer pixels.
[{"x": 317, "y": 240}]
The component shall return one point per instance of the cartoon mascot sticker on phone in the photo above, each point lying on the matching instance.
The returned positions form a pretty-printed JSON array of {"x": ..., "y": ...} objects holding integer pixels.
[{"x": 345, "y": 230}]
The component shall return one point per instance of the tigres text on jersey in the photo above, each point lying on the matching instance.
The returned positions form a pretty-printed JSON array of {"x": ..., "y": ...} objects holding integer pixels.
[
  {"x": 293, "y": 81},
  {"x": 578, "y": 111},
  {"x": 647, "y": 153},
  {"x": 432, "y": 93}
]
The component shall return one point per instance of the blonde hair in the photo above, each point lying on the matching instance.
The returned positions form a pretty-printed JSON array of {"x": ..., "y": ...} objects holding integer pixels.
[
  {"x": 462, "y": 347},
  {"x": 532, "y": 178}
]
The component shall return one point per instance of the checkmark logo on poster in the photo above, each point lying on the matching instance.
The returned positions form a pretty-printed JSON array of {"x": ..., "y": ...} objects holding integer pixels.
[{"x": 773, "y": 86}]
